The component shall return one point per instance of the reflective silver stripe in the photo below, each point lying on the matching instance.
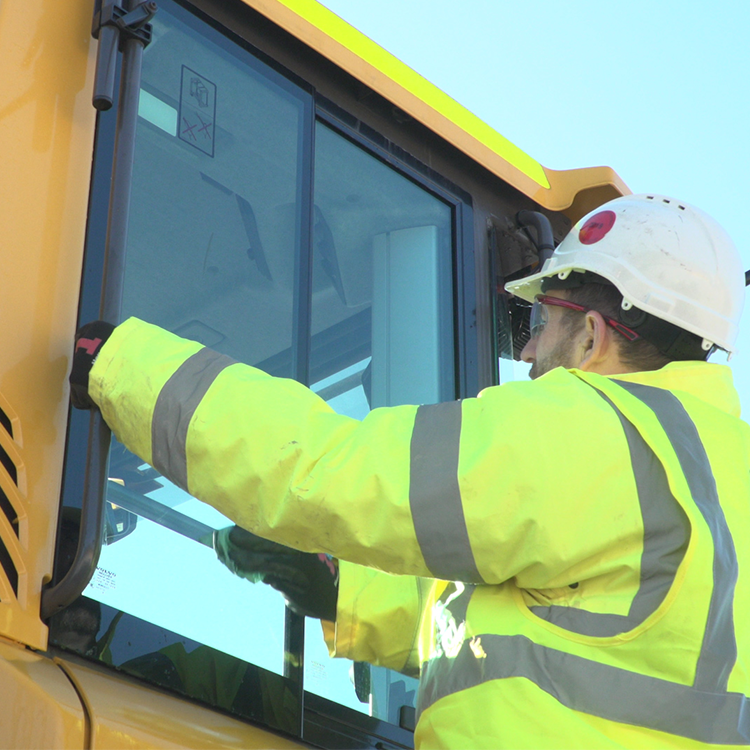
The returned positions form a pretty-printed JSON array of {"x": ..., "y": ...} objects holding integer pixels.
[
  {"x": 704, "y": 711},
  {"x": 719, "y": 649},
  {"x": 666, "y": 532},
  {"x": 434, "y": 495},
  {"x": 175, "y": 406},
  {"x": 592, "y": 688}
]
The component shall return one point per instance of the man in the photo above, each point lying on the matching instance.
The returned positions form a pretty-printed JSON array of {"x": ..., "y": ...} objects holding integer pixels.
[{"x": 556, "y": 558}]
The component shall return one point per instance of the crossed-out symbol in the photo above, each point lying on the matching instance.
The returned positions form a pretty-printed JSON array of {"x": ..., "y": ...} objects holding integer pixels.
[
  {"x": 188, "y": 131},
  {"x": 205, "y": 127}
]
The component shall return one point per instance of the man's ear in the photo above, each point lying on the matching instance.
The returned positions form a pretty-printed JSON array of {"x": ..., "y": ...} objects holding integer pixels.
[{"x": 595, "y": 346}]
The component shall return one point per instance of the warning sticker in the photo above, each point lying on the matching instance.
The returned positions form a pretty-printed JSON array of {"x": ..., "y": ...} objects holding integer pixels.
[
  {"x": 103, "y": 580},
  {"x": 197, "y": 111}
]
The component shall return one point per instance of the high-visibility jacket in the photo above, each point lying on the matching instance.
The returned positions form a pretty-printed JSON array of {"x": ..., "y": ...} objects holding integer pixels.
[{"x": 586, "y": 536}]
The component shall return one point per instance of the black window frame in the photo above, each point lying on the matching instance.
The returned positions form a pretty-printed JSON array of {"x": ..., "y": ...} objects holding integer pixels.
[
  {"x": 466, "y": 375},
  {"x": 322, "y": 721}
]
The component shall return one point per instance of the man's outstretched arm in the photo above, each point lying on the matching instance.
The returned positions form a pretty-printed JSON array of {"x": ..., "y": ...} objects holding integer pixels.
[{"x": 266, "y": 452}]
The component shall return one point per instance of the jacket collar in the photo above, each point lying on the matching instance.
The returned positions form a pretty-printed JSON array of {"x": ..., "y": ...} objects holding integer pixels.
[{"x": 709, "y": 382}]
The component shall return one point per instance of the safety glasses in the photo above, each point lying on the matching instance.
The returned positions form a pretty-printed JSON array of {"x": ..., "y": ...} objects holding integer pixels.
[{"x": 539, "y": 316}]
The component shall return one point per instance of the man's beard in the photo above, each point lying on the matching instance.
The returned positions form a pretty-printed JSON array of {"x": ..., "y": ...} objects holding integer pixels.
[{"x": 559, "y": 357}]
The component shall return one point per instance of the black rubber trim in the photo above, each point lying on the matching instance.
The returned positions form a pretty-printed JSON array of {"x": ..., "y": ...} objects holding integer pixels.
[
  {"x": 9, "y": 567},
  {"x": 337, "y": 727},
  {"x": 10, "y": 512},
  {"x": 5, "y": 422},
  {"x": 9, "y": 465}
]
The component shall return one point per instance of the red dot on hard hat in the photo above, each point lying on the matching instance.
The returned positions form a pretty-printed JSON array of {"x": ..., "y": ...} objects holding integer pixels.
[{"x": 596, "y": 227}]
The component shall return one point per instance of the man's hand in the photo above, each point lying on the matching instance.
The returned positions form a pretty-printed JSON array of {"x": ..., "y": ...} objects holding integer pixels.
[
  {"x": 89, "y": 340},
  {"x": 308, "y": 582}
]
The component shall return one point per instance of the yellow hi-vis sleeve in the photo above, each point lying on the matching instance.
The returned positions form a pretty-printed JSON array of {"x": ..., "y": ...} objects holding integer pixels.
[
  {"x": 378, "y": 618},
  {"x": 266, "y": 452}
]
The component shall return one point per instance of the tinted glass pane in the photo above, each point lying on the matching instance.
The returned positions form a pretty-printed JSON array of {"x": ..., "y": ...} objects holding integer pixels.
[
  {"x": 215, "y": 211},
  {"x": 382, "y": 335},
  {"x": 213, "y": 239}
]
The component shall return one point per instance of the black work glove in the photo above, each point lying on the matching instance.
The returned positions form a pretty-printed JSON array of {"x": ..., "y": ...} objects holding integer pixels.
[
  {"x": 89, "y": 340},
  {"x": 308, "y": 582}
]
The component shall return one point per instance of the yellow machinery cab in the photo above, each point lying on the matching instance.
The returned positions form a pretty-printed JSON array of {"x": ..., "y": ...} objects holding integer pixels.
[{"x": 261, "y": 177}]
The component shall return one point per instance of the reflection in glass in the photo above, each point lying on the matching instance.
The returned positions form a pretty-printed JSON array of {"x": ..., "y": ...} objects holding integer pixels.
[{"x": 174, "y": 662}]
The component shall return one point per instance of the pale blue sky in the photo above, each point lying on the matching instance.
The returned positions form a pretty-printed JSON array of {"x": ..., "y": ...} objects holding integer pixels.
[{"x": 657, "y": 90}]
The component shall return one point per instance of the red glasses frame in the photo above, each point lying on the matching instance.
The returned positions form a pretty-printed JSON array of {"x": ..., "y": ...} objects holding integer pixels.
[{"x": 538, "y": 317}]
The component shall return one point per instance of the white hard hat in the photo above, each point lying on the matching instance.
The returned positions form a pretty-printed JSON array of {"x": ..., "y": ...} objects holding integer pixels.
[{"x": 666, "y": 258}]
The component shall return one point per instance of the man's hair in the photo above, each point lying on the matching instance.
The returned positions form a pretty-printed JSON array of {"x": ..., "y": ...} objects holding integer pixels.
[{"x": 640, "y": 355}]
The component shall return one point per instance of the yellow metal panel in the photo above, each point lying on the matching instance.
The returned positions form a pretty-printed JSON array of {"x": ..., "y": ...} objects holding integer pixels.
[
  {"x": 40, "y": 707},
  {"x": 575, "y": 192},
  {"x": 125, "y": 714},
  {"x": 46, "y": 132},
  {"x": 578, "y": 191}
]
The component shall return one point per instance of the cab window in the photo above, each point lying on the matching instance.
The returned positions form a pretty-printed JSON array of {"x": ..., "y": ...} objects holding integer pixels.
[{"x": 267, "y": 230}]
